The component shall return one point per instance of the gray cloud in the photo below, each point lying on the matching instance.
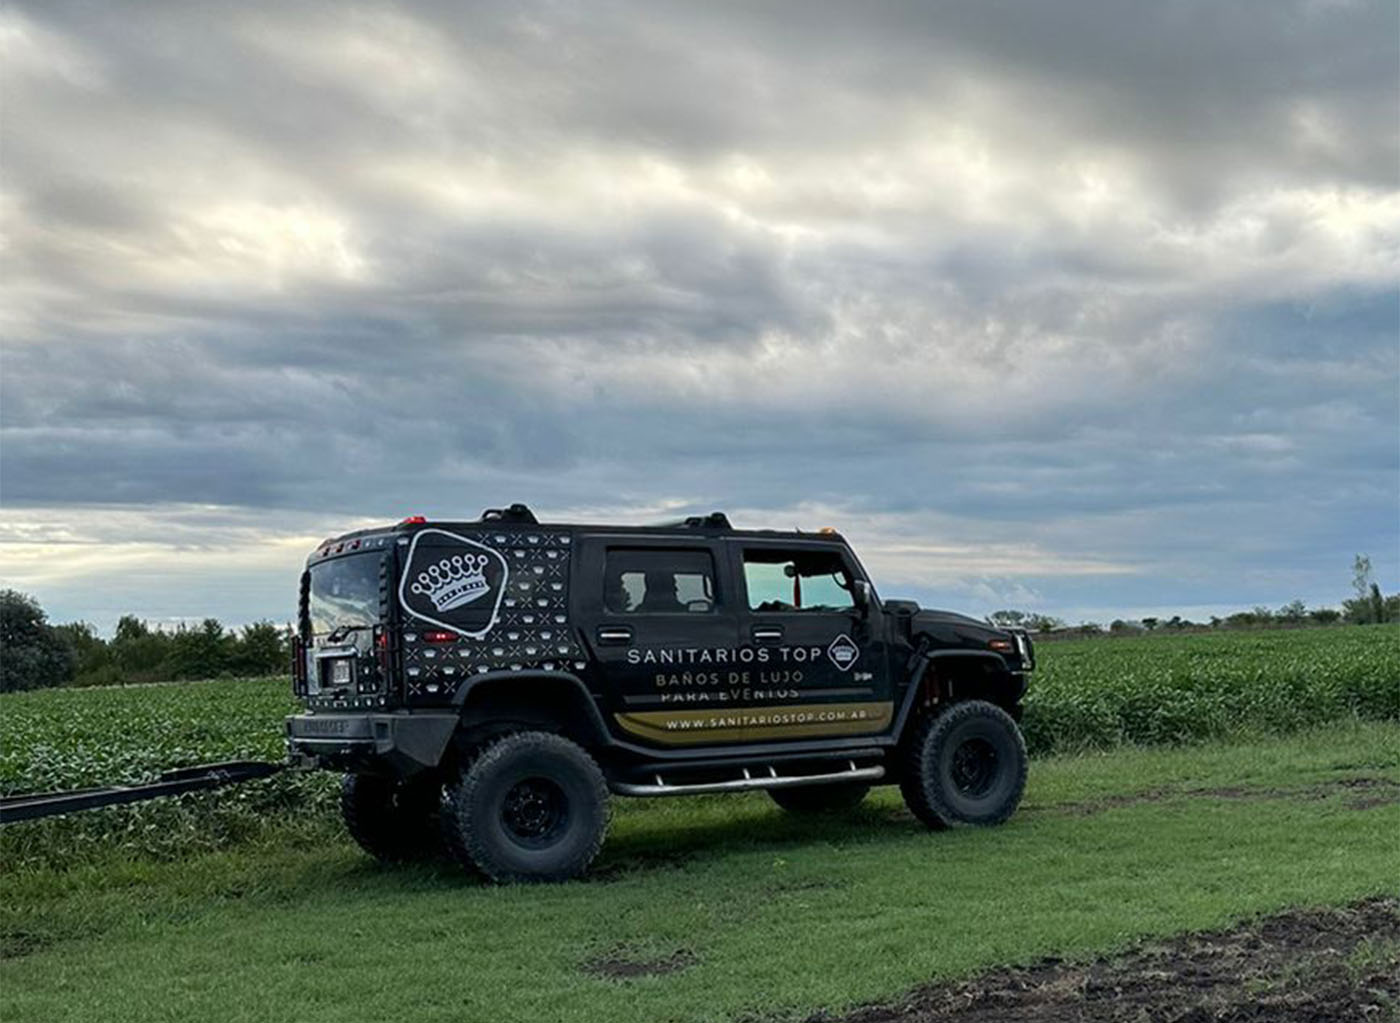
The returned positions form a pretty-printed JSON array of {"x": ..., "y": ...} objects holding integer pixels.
[{"x": 1078, "y": 286}]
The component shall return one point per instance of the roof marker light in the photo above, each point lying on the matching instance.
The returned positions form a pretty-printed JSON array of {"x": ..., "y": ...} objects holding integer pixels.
[{"x": 413, "y": 520}]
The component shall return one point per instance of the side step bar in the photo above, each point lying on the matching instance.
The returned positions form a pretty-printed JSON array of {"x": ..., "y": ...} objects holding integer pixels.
[
  {"x": 771, "y": 780},
  {"x": 32, "y": 805}
]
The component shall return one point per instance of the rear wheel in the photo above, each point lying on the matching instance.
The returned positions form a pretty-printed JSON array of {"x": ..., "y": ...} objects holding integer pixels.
[
  {"x": 830, "y": 798},
  {"x": 966, "y": 765},
  {"x": 391, "y": 818},
  {"x": 531, "y": 806}
]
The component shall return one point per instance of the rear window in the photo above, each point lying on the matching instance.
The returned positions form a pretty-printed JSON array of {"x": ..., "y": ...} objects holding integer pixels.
[
  {"x": 650, "y": 581},
  {"x": 344, "y": 592}
]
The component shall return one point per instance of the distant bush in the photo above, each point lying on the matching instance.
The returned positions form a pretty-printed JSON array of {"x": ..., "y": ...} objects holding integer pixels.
[
  {"x": 138, "y": 653},
  {"x": 37, "y": 655},
  {"x": 33, "y": 654}
]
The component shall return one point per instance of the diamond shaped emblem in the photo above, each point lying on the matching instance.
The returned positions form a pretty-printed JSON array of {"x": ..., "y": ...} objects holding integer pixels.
[{"x": 843, "y": 652}]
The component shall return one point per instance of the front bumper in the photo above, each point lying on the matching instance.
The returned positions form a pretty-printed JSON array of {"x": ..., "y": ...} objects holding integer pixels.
[{"x": 399, "y": 743}]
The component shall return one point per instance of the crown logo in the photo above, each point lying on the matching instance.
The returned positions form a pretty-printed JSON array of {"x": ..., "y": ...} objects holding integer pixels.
[{"x": 453, "y": 581}]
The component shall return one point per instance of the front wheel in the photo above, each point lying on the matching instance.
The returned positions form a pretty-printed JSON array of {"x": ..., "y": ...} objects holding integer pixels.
[
  {"x": 966, "y": 765},
  {"x": 531, "y": 806}
]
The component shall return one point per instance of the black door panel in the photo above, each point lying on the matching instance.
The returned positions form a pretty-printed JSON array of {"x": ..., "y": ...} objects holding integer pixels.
[
  {"x": 826, "y": 670},
  {"x": 667, "y": 649}
]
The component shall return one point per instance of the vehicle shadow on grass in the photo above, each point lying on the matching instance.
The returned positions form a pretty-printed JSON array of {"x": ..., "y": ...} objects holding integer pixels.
[
  {"x": 644, "y": 843},
  {"x": 640, "y": 847}
]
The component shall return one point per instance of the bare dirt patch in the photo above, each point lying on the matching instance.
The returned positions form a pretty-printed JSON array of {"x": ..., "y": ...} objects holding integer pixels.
[
  {"x": 1303, "y": 966},
  {"x": 621, "y": 964}
]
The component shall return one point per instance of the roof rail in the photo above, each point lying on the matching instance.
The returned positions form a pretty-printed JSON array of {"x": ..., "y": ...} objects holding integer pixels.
[
  {"x": 714, "y": 520},
  {"x": 515, "y": 513}
]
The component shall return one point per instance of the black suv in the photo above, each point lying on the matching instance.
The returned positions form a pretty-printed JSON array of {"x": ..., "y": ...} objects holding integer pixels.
[{"x": 489, "y": 684}]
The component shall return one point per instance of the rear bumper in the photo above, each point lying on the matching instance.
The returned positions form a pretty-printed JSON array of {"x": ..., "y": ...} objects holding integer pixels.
[{"x": 400, "y": 743}]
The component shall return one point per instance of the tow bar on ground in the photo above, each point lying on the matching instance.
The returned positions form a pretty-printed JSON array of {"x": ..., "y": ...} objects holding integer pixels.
[{"x": 28, "y": 806}]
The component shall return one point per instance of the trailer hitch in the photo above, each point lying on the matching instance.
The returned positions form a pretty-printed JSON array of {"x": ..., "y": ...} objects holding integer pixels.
[{"x": 32, "y": 805}]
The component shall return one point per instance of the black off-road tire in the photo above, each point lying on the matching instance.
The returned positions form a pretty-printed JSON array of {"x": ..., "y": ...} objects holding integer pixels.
[
  {"x": 834, "y": 797},
  {"x": 529, "y": 807},
  {"x": 911, "y": 785},
  {"x": 965, "y": 765},
  {"x": 391, "y": 819}
]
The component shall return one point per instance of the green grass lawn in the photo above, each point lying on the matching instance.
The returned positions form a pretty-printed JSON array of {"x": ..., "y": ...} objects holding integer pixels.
[{"x": 774, "y": 916}]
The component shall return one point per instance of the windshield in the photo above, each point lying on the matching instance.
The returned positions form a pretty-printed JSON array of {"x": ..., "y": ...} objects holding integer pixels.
[{"x": 344, "y": 592}]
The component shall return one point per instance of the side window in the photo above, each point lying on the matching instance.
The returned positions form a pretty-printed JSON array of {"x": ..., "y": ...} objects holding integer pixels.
[
  {"x": 790, "y": 581},
  {"x": 651, "y": 581}
]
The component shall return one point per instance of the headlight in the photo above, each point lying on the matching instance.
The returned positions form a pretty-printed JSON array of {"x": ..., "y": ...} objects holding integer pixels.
[{"x": 1023, "y": 650}]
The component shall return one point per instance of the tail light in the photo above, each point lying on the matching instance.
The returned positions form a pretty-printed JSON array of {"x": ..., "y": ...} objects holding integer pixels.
[
  {"x": 384, "y": 649},
  {"x": 298, "y": 666}
]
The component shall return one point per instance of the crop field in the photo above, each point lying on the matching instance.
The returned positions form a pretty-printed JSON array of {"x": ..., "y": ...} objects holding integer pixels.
[
  {"x": 1100, "y": 693},
  {"x": 1086, "y": 695},
  {"x": 1181, "y": 784}
]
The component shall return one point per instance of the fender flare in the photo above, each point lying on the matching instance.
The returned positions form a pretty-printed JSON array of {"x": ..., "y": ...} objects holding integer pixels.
[
  {"x": 920, "y": 662},
  {"x": 595, "y": 718}
]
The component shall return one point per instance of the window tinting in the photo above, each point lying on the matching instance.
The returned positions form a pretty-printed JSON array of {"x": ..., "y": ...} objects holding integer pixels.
[
  {"x": 659, "y": 582},
  {"x": 790, "y": 581}
]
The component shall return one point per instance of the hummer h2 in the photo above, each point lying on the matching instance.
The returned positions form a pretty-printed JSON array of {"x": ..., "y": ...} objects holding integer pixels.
[{"x": 488, "y": 685}]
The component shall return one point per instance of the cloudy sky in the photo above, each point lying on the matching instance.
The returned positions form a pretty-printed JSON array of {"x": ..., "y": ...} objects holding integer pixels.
[{"x": 1088, "y": 308}]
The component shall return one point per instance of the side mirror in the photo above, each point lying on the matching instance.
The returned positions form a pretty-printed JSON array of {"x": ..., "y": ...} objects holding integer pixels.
[{"x": 860, "y": 592}]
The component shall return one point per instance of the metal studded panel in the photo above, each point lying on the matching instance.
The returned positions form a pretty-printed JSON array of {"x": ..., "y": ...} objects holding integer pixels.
[{"x": 529, "y": 626}]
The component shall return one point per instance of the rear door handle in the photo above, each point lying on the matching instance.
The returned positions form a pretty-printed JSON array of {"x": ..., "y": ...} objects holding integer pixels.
[
  {"x": 614, "y": 634},
  {"x": 767, "y": 633}
]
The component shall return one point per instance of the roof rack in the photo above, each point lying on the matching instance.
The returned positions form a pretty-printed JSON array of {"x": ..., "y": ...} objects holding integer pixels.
[
  {"x": 714, "y": 520},
  {"x": 515, "y": 513}
]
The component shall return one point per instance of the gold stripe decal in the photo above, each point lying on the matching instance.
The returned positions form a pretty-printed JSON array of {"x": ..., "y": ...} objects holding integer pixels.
[{"x": 689, "y": 727}]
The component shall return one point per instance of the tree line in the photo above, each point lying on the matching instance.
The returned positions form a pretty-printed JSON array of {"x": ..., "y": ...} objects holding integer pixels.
[
  {"x": 1368, "y": 607},
  {"x": 36, "y": 655}
]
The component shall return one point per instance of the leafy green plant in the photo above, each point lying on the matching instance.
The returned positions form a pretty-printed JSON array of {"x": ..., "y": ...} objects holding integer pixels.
[
  {"x": 1185, "y": 688},
  {"x": 1087, "y": 694}
]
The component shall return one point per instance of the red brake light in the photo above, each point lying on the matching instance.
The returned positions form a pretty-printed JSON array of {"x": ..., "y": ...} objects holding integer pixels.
[
  {"x": 413, "y": 520},
  {"x": 439, "y": 637}
]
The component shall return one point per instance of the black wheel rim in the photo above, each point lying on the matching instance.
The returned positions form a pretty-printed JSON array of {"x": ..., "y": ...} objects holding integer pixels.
[
  {"x": 974, "y": 767},
  {"x": 535, "y": 812}
]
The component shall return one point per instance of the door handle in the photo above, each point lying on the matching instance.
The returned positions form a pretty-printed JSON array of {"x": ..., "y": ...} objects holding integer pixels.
[
  {"x": 615, "y": 634},
  {"x": 767, "y": 633}
]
